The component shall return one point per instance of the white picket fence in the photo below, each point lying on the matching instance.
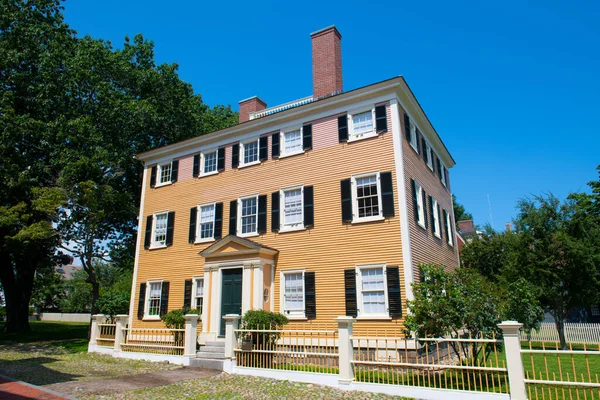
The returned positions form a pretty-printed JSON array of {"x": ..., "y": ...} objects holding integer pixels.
[{"x": 574, "y": 333}]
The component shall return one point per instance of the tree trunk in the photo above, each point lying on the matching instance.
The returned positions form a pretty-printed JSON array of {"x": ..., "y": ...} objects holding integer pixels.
[
  {"x": 95, "y": 296},
  {"x": 560, "y": 327},
  {"x": 17, "y": 292}
]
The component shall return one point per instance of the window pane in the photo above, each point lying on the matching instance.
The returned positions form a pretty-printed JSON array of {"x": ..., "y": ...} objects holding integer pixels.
[
  {"x": 165, "y": 173},
  {"x": 294, "y": 292},
  {"x": 372, "y": 279},
  {"x": 362, "y": 122},
  {"x": 250, "y": 152},
  {"x": 199, "y": 293},
  {"x": 373, "y": 291},
  {"x": 292, "y": 206},
  {"x": 160, "y": 229},
  {"x": 206, "y": 223},
  {"x": 249, "y": 215},
  {"x": 154, "y": 298},
  {"x": 374, "y": 302},
  {"x": 292, "y": 142},
  {"x": 210, "y": 162},
  {"x": 366, "y": 196}
]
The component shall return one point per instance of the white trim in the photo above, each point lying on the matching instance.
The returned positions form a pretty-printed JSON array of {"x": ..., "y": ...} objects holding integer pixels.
[
  {"x": 138, "y": 246},
  {"x": 352, "y": 137},
  {"x": 355, "y": 218},
  {"x": 421, "y": 206},
  {"x": 195, "y": 280},
  {"x": 436, "y": 219},
  {"x": 202, "y": 156},
  {"x": 242, "y": 157},
  {"x": 159, "y": 168},
  {"x": 198, "y": 230},
  {"x": 429, "y": 151},
  {"x": 413, "y": 135},
  {"x": 153, "y": 243},
  {"x": 290, "y": 227},
  {"x": 148, "y": 317},
  {"x": 288, "y": 129},
  {"x": 398, "y": 138},
  {"x": 359, "y": 292},
  {"x": 239, "y": 217},
  {"x": 449, "y": 230},
  {"x": 297, "y": 315}
]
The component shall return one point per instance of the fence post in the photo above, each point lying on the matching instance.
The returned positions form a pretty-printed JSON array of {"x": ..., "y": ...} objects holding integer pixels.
[
  {"x": 95, "y": 331},
  {"x": 120, "y": 323},
  {"x": 514, "y": 363},
  {"x": 231, "y": 324},
  {"x": 345, "y": 349},
  {"x": 191, "y": 336}
]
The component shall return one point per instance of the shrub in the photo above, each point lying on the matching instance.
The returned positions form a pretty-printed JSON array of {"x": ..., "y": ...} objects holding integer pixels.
[
  {"x": 174, "y": 319},
  {"x": 113, "y": 303},
  {"x": 265, "y": 320}
]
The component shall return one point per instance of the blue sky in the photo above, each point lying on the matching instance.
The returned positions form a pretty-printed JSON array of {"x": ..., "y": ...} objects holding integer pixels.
[{"x": 512, "y": 87}]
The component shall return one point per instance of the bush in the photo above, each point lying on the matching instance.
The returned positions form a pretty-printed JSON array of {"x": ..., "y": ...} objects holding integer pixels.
[
  {"x": 174, "y": 319},
  {"x": 260, "y": 319},
  {"x": 113, "y": 303}
]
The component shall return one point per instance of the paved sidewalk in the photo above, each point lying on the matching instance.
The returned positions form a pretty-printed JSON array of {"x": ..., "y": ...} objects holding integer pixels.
[{"x": 11, "y": 389}]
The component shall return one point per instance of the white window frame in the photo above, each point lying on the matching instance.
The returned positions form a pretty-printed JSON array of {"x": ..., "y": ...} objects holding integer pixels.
[
  {"x": 364, "y": 135},
  {"x": 202, "y": 158},
  {"x": 420, "y": 205},
  {"x": 153, "y": 243},
  {"x": 283, "y": 227},
  {"x": 413, "y": 137},
  {"x": 437, "y": 228},
  {"x": 429, "y": 151},
  {"x": 443, "y": 173},
  {"x": 198, "y": 227},
  {"x": 195, "y": 281},
  {"x": 359, "y": 292},
  {"x": 282, "y": 152},
  {"x": 159, "y": 169},
  {"x": 296, "y": 314},
  {"x": 243, "y": 145},
  {"x": 450, "y": 230},
  {"x": 355, "y": 217},
  {"x": 147, "y": 316},
  {"x": 239, "y": 216}
]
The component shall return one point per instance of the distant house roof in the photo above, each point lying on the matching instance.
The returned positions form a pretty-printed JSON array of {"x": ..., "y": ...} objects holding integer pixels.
[{"x": 67, "y": 271}]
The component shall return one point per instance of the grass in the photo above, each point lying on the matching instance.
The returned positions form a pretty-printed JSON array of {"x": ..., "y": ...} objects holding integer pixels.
[{"x": 69, "y": 335}]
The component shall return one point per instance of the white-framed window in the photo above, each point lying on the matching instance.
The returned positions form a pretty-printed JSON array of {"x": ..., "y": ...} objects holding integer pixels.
[
  {"x": 437, "y": 231},
  {"x": 442, "y": 173},
  {"x": 205, "y": 228},
  {"x": 361, "y": 124},
  {"x": 291, "y": 202},
  {"x": 429, "y": 154},
  {"x": 153, "y": 298},
  {"x": 291, "y": 140},
  {"x": 366, "y": 197},
  {"x": 372, "y": 291},
  {"x": 164, "y": 173},
  {"x": 293, "y": 299},
  {"x": 198, "y": 301},
  {"x": 249, "y": 152},
  {"x": 248, "y": 215},
  {"x": 450, "y": 230},
  {"x": 209, "y": 163},
  {"x": 159, "y": 229},
  {"x": 413, "y": 137},
  {"x": 420, "y": 204}
]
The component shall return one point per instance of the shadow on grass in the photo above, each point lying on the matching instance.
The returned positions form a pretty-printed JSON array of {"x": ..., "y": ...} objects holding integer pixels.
[
  {"x": 47, "y": 331},
  {"x": 33, "y": 370}
]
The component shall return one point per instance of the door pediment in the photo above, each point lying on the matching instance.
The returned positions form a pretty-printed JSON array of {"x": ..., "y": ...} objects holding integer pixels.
[{"x": 232, "y": 245}]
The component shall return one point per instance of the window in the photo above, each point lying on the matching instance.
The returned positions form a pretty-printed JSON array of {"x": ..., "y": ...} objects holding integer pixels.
[
  {"x": 206, "y": 223},
  {"x": 435, "y": 217},
  {"x": 292, "y": 216},
  {"x": 248, "y": 212},
  {"x": 420, "y": 205},
  {"x": 198, "y": 294},
  {"x": 413, "y": 137},
  {"x": 153, "y": 299},
  {"x": 159, "y": 230},
  {"x": 362, "y": 125},
  {"x": 293, "y": 293},
  {"x": 292, "y": 142},
  {"x": 372, "y": 291},
  {"x": 449, "y": 230},
  {"x": 209, "y": 163},
  {"x": 164, "y": 173},
  {"x": 249, "y": 152},
  {"x": 429, "y": 155},
  {"x": 366, "y": 197},
  {"x": 442, "y": 173}
]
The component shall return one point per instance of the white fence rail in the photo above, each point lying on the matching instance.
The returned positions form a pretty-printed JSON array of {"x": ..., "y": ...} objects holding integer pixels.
[{"x": 587, "y": 333}]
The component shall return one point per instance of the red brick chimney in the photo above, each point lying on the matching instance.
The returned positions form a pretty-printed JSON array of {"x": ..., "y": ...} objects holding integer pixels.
[
  {"x": 250, "y": 105},
  {"x": 326, "y": 62}
]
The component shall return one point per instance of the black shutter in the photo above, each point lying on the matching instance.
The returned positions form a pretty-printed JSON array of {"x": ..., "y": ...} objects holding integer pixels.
[
  {"x": 164, "y": 299},
  {"x": 233, "y": 217},
  {"x": 350, "y": 289},
  {"x": 218, "y": 220},
  {"x": 309, "y": 206},
  {"x": 418, "y": 140},
  {"x": 424, "y": 199},
  {"x": 153, "y": 177},
  {"x": 307, "y": 137},
  {"x": 196, "y": 168},
  {"x": 407, "y": 126},
  {"x": 387, "y": 194},
  {"x": 263, "y": 150},
  {"x": 148, "y": 237},
  {"x": 346, "y": 191},
  {"x": 275, "y": 211},
  {"x": 451, "y": 229},
  {"x": 262, "y": 213},
  {"x": 415, "y": 200},
  {"x": 142, "y": 301},
  {"x": 275, "y": 145},
  {"x": 439, "y": 213},
  {"x": 170, "y": 227},
  {"x": 187, "y": 296},
  {"x": 310, "y": 301},
  {"x": 193, "y": 218},
  {"x": 447, "y": 177},
  {"x": 380, "y": 119},
  {"x": 431, "y": 215},
  {"x": 235, "y": 155},
  {"x": 424, "y": 147},
  {"x": 174, "y": 171},
  {"x": 393, "y": 286},
  {"x": 221, "y": 159},
  {"x": 343, "y": 128},
  {"x": 439, "y": 167}
]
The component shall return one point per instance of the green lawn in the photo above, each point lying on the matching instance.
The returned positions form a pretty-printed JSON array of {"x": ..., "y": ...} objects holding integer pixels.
[{"x": 70, "y": 335}]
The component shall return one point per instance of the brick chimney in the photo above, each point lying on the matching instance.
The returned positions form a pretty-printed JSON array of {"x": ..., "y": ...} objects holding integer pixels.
[
  {"x": 250, "y": 105},
  {"x": 326, "y": 62},
  {"x": 466, "y": 226}
]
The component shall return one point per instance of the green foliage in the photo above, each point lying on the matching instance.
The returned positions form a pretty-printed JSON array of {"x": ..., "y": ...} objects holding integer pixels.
[
  {"x": 48, "y": 289},
  {"x": 78, "y": 293},
  {"x": 489, "y": 253},
  {"x": 263, "y": 320},
  {"x": 112, "y": 303},
  {"x": 174, "y": 319},
  {"x": 460, "y": 213}
]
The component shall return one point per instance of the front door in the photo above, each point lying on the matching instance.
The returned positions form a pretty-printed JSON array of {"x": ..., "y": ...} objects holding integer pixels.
[{"x": 231, "y": 294}]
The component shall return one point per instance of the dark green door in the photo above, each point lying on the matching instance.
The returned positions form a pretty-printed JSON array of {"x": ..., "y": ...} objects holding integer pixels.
[{"x": 231, "y": 294}]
